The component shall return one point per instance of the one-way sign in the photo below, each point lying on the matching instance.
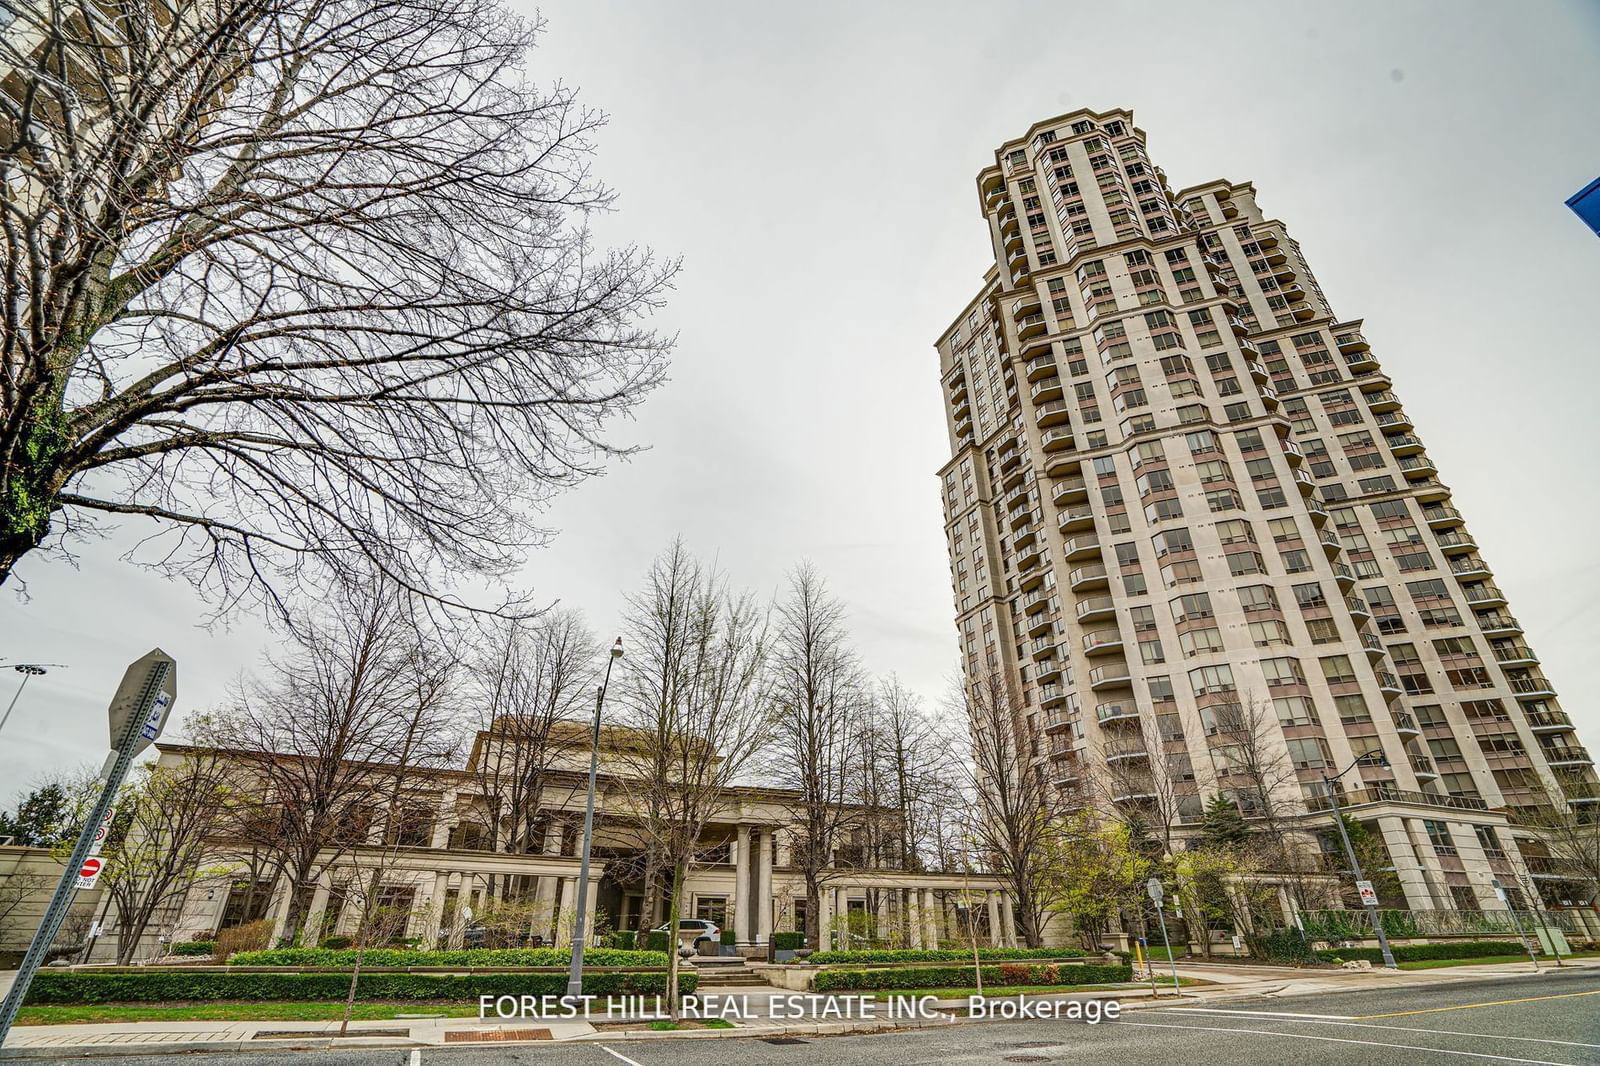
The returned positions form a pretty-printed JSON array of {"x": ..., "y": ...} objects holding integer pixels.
[{"x": 128, "y": 700}]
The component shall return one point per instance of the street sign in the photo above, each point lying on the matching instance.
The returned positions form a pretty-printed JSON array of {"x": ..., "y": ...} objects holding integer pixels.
[
  {"x": 132, "y": 699},
  {"x": 1369, "y": 895},
  {"x": 89, "y": 871},
  {"x": 1153, "y": 886},
  {"x": 138, "y": 711}
]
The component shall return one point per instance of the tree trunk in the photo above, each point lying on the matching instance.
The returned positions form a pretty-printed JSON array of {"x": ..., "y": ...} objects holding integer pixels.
[
  {"x": 814, "y": 913},
  {"x": 673, "y": 960}
]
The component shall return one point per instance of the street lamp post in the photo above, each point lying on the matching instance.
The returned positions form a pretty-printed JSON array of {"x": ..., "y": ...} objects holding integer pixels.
[
  {"x": 1369, "y": 904},
  {"x": 575, "y": 977},
  {"x": 29, "y": 671}
]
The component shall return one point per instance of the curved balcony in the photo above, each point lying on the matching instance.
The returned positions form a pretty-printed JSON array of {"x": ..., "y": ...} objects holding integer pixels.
[
  {"x": 1403, "y": 444},
  {"x": 1112, "y": 675},
  {"x": 1393, "y": 421},
  {"x": 1102, "y": 641},
  {"x": 1131, "y": 794},
  {"x": 1076, "y": 517},
  {"x": 1019, "y": 518},
  {"x": 1009, "y": 226},
  {"x": 1423, "y": 767},
  {"x": 1045, "y": 390},
  {"x": 1026, "y": 308},
  {"x": 1069, "y": 490},
  {"x": 1083, "y": 547},
  {"x": 1037, "y": 601},
  {"x": 1470, "y": 568},
  {"x": 1383, "y": 400},
  {"x": 1499, "y": 624},
  {"x": 1568, "y": 755},
  {"x": 1406, "y": 725},
  {"x": 1041, "y": 366},
  {"x": 1031, "y": 326},
  {"x": 1430, "y": 490},
  {"x": 1011, "y": 238},
  {"x": 1372, "y": 645},
  {"x": 1485, "y": 596},
  {"x": 1389, "y": 684},
  {"x": 1239, "y": 326},
  {"x": 1052, "y": 696},
  {"x": 1549, "y": 721},
  {"x": 1304, "y": 312},
  {"x": 1047, "y": 670},
  {"x": 1030, "y": 556},
  {"x": 1059, "y": 439},
  {"x": 1025, "y": 536},
  {"x": 1116, "y": 711},
  {"x": 1032, "y": 580},
  {"x": 1093, "y": 576},
  {"x": 1054, "y": 413},
  {"x": 1418, "y": 466},
  {"x": 1533, "y": 688},
  {"x": 1361, "y": 361},
  {"x": 1352, "y": 341},
  {"x": 1358, "y": 607},
  {"x": 1121, "y": 749},
  {"x": 1096, "y": 608},
  {"x": 1515, "y": 655},
  {"x": 1442, "y": 516},
  {"x": 1040, "y": 624},
  {"x": 1043, "y": 648},
  {"x": 1456, "y": 542},
  {"x": 1345, "y": 576}
]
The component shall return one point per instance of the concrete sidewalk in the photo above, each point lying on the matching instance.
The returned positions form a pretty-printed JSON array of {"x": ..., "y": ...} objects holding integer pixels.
[{"x": 1229, "y": 981}]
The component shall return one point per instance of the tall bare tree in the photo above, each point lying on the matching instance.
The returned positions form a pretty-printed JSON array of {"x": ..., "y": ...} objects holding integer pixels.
[
  {"x": 168, "y": 821},
  {"x": 1016, "y": 813},
  {"x": 823, "y": 696},
  {"x": 530, "y": 688},
  {"x": 916, "y": 767},
  {"x": 306, "y": 285},
  {"x": 692, "y": 711},
  {"x": 363, "y": 687}
]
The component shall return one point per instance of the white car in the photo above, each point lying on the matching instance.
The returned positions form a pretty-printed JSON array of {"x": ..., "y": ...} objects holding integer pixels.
[{"x": 695, "y": 931}]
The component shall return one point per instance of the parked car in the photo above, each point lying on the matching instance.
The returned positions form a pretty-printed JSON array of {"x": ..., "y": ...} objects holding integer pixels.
[{"x": 696, "y": 932}]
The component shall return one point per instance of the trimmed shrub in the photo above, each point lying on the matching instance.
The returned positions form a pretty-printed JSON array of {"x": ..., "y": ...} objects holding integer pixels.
[
  {"x": 194, "y": 948},
  {"x": 1467, "y": 949},
  {"x": 1285, "y": 945},
  {"x": 177, "y": 986},
  {"x": 944, "y": 955},
  {"x": 961, "y": 976},
  {"x": 729, "y": 938},
  {"x": 656, "y": 940},
  {"x": 788, "y": 941},
  {"x": 252, "y": 936},
  {"x": 476, "y": 957},
  {"x": 623, "y": 940},
  {"x": 337, "y": 943}
]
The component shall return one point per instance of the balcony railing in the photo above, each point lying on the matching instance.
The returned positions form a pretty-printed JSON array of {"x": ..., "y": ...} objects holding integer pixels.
[{"x": 1381, "y": 793}]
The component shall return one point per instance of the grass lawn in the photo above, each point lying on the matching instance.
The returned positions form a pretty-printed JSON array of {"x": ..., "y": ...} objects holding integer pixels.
[
  {"x": 1544, "y": 960},
  {"x": 707, "y": 1023}
]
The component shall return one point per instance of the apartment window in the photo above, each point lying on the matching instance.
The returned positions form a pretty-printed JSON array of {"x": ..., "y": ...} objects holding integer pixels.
[
  {"x": 1200, "y": 641},
  {"x": 1439, "y": 836},
  {"x": 1352, "y": 708},
  {"x": 1258, "y": 598},
  {"x": 1209, "y": 679},
  {"x": 1337, "y": 670},
  {"x": 1160, "y": 689},
  {"x": 1293, "y": 710},
  {"x": 1194, "y": 605},
  {"x": 1310, "y": 595},
  {"x": 1282, "y": 671},
  {"x": 1268, "y": 633}
]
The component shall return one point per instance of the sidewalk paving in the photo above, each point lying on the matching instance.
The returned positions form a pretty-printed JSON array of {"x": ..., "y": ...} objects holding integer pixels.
[{"x": 1229, "y": 981}]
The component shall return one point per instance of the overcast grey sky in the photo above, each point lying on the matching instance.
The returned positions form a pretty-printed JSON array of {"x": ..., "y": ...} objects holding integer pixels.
[{"x": 814, "y": 165}]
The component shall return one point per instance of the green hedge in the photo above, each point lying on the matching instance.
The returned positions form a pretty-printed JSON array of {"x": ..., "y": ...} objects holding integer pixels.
[
  {"x": 479, "y": 957},
  {"x": 201, "y": 948},
  {"x": 176, "y": 986},
  {"x": 790, "y": 941},
  {"x": 1021, "y": 973},
  {"x": 656, "y": 941},
  {"x": 1469, "y": 949},
  {"x": 944, "y": 955}
]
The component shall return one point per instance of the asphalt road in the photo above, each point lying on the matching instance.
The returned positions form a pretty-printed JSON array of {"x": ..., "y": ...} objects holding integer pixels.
[{"x": 1552, "y": 1019}]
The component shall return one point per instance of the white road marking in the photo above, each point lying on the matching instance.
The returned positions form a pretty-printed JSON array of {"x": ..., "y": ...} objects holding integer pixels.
[
  {"x": 1263, "y": 1013},
  {"x": 1336, "y": 1019},
  {"x": 617, "y": 1055},
  {"x": 416, "y": 1057},
  {"x": 1345, "y": 1040}
]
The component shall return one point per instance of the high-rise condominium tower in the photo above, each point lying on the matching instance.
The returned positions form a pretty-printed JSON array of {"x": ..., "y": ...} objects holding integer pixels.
[{"x": 1187, "y": 514}]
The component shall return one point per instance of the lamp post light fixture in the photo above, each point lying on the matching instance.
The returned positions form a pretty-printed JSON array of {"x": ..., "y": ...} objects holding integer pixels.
[
  {"x": 1369, "y": 898},
  {"x": 29, "y": 671},
  {"x": 579, "y": 925}
]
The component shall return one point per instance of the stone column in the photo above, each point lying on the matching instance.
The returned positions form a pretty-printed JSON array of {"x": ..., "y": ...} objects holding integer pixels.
[
  {"x": 553, "y": 834},
  {"x": 566, "y": 909},
  {"x": 319, "y": 903},
  {"x": 441, "y": 885},
  {"x": 883, "y": 916},
  {"x": 841, "y": 911},
  {"x": 930, "y": 919},
  {"x": 1476, "y": 865},
  {"x": 589, "y": 904},
  {"x": 444, "y": 820},
  {"x": 1008, "y": 920},
  {"x": 992, "y": 900},
  {"x": 763, "y": 900},
  {"x": 1432, "y": 870},
  {"x": 1407, "y": 867},
  {"x": 739, "y": 898},
  {"x": 824, "y": 920},
  {"x": 911, "y": 904}
]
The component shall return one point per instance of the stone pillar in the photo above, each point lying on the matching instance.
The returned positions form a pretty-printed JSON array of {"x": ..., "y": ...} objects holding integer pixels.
[
  {"x": 553, "y": 834},
  {"x": 566, "y": 909},
  {"x": 930, "y": 919},
  {"x": 1407, "y": 867},
  {"x": 444, "y": 820},
  {"x": 1432, "y": 871},
  {"x": 441, "y": 885},
  {"x": 1008, "y": 920},
  {"x": 883, "y": 916},
  {"x": 763, "y": 900},
  {"x": 589, "y": 904},
  {"x": 319, "y": 903},
  {"x": 992, "y": 900},
  {"x": 911, "y": 909},
  {"x": 841, "y": 912},
  {"x": 739, "y": 898},
  {"x": 824, "y": 920},
  {"x": 1476, "y": 865}
]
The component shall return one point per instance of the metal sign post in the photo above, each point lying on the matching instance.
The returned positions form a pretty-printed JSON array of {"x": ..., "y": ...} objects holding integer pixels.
[
  {"x": 137, "y": 714},
  {"x": 1153, "y": 886}
]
